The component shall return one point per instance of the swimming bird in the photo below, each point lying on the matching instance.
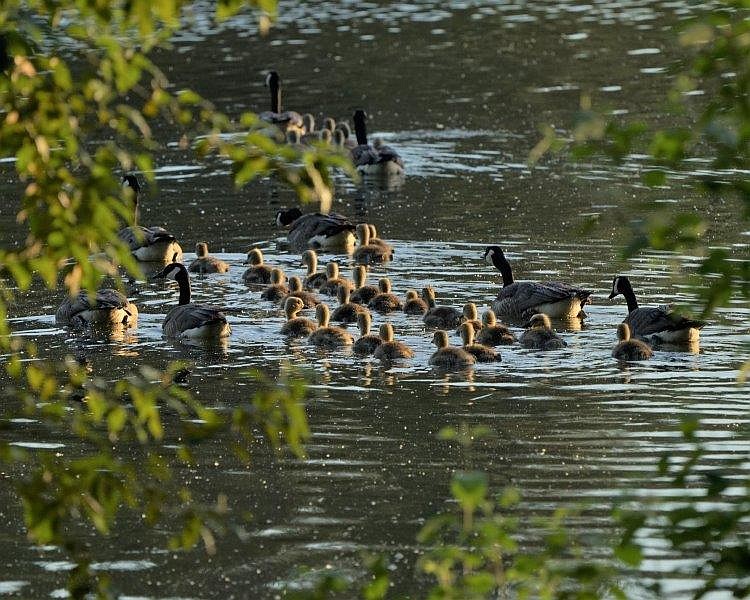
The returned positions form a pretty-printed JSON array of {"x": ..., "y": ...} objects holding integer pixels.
[
  {"x": 385, "y": 302},
  {"x": 295, "y": 325},
  {"x": 367, "y": 342},
  {"x": 362, "y": 293},
  {"x": 367, "y": 253},
  {"x": 334, "y": 281},
  {"x": 109, "y": 308},
  {"x": 414, "y": 305},
  {"x": 327, "y": 336},
  {"x": 309, "y": 299},
  {"x": 330, "y": 231},
  {"x": 449, "y": 357},
  {"x": 345, "y": 136},
  {"x": 374, "y": 239},
  {"x": 540, "y": 336},
  {"x": 373, "y": 160},
  {"x": 469, "y": 315},
  {"x": 479, "y": 351},
  {"x": 346, "y": 311},
  {"x": 329, "y": 123},
  {"x": 494, "y": 333},
  {"x": 205, "y": 263},
  {"x": 523, "y": 299},
  {"x": 278, "y": 288},
  {"x": 189, "y": 320},
  {"x": 287, "y": 120},
  {"x": 391, "y": 349},
  {"x": 655, "y": 323},
  {"x": 308, "y": 123},
  {"x": 630, "y": 349},
  {"x": 147, "y": 244},
  {"x": 257, "y": 272},
  {"x": 442, "y": 317},
  {"x": 313, "y": 280}
]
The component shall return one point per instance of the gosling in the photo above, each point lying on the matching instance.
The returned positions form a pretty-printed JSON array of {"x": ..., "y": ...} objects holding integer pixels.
[
  {"x": 295, "y": 290},
  {"x": 313, "y": 280},
  {"x": 326, "y": 336},
  {"x": 628, "y": 348},
  {"x": 540, "y": 336},
  {"x": 414, "y": 305},
  {"x": 334, "y": 280},
  {"x": 368, "y": 342},
  {"x": 470, "y": 315},
  {"x": 367, "y": 253},
  {"x": 205, "y": 263},
  {"x": 391, "y": 349},
  {"x": 480, "y": 352},
  {"x": 363, "y": 293},
  {"x": 441, "y": 317},
  {"x": 492, "y": 333},
  {"x": 296, "y": 326},
  {"x": 346, "y": 311},
  {"x": 257, "y": 272},
  {"x": 385, "y": 302},
  {"x": 278, "y": 289},
  {"x": 449, "y": 357}
]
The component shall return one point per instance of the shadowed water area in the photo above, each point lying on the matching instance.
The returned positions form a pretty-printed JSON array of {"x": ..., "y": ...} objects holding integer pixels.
[{"x": 460, "y": 89}]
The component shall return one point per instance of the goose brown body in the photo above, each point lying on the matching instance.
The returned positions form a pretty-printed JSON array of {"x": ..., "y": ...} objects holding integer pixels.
[
  {"x": 540, "y": 336},
  {"x": 449, "y": 357},
  {"x": 494, "y": 333},
  {"x": 630, "y": 349},
  {"x": 296, "y": 326},
  {"x": 367, "y": 342},
  {"x": 326, "y": 336},
  {"x": 391, "y": 349},
  {"x": 480, "y": 352},
  {"x": 205, "y": 263},
  {"x": 257, "y": 273},
  {"x": 385, "y": 302},
  {"x": 441, "y": 317}
]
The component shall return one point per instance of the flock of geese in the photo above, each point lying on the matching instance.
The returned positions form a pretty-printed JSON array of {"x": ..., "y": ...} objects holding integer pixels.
[{"x": 530, "y": 302}]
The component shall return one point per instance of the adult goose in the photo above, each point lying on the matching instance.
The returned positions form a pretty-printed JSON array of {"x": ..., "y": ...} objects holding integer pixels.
[
  {"x": 373, "y": 160},
  {"x": 189, "y": 320},
  {"x": 148, "y": 244},
  {"x": 315, "y": 230},
  {"x": 108, "y": 309},
  {"x": 659, "y": 324},
  {"x": 286, "y": 120},
  {"x": 539, "y": 334},
  {"x": 523, "y": 299},
  {"x": 630, "y": 349},
  {"x": 205, "y": 263}
]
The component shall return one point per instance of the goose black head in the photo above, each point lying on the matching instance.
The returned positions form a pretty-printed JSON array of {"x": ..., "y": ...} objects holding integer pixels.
[
  {"x": 272, "y": 79},
  {"x": 493, "y": 255},
  {"x": 619, "y": 284},
  {"x": 284, "y": 218},
  {"x": 131, "y": 181},
  {"x": 171, "y": 271}
]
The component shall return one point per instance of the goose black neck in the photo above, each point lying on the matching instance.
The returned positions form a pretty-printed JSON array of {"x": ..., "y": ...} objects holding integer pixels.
[
  {"x": 273, "y": 83},
  {"x": 183, "y": 280},
  {"x": 360, "y": 129},
  {"x": 627, "y": 291},
  {"x": 502, "y": 265}
]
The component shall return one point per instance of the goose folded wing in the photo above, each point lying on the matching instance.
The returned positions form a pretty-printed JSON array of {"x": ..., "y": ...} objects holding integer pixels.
[
  {"x": 139, "y": 237},
  {"x": 109, "y": 298},
  {"x": 652, "y": 320},
  {"x": 364, "y": 155},
  {"x": 317, "y": 224},
  {"x": 192, "y": 316},
  {"x": 528, "y": 294},
  {"x": 388, "y": 154}
]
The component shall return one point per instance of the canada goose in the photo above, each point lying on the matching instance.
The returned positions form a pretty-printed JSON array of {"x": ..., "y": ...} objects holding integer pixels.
[
  {"x": 373, "y": 160},
  {"x": 258, "y": 272},
  {"x": 414, "y": 305},
  {"x": 316, "y": 230},
  {"x": 110, "y": 308},
  {"x": 479, "y": 351},
  {"x": 362, "y": 293},
  {"x": 655, "y": 323},
  {"x": 391, "y": 349},
  {"x": 334, "y": 281},
  {"x": 492, "y": 333},
  {"x": 469, "y": 315},
  {"x": 325, "y": 335},
  {"x": 278, "y": 289},
  {"x": 374, "y": 239},
  {"x": 287, "y": 120},
  {"x": 442, "y": 317},
  {"x": 205, "y": 263},
  {"x": 346, "y": 311},
  {"x": 296, "y": 326},
  {"x": 449, "y": 357},
  {"x": 313, "y": 279},
  {"x": 385, "y": 302},
  {"x": 190, "y": 320},
  {"x": 345, "y": 135},
  {"x": 523, "y": 299},
  {"x": 148, "y": 244},
  {"x": 309, "y": 299},
  {"x": 367, "y": 253},
  {"x": 539, "y": 334},
  {"x": 367, "y": 342},
  {"x": 629, "y": 349}
]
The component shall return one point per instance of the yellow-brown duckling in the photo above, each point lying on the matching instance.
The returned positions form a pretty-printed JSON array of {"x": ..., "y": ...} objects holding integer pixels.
[
  {"x": 363, "y": 293},
  {"x": 414, "y": 305},
  {"x": 391, "y": 349},
  {"x": 296, "y": 326},
  {"x": 449, "y": 357},
  {"x": 367, "y": 253},
  {"x": 479, "y": 351},
  {"x": 374, "y": 239},
  {"x": 628, "y": 348},
  {"x": 257, "y": 272},
  {"x": 540, "y": 335},
  {"x": 326, "y": 336},
  {"x": 295, "y": 290},
  {"x": 346, "y": 311},
  {"x": 441, "y": 317},
  {"x": 385, "y": 302},
  {"x": 334, "y": 280},
  {"x": 314, "y": 279},
  {"x": 278, "y": 288},
  {"x": 494, "y": 333},
  {"x": 205, "y": 263},
  {"x": 368, "y": 342},
  {"x": 469, "y": 314}
]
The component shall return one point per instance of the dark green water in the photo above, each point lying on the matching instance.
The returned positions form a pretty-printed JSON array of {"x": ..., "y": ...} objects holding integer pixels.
[{"x": 460, "y": 88}]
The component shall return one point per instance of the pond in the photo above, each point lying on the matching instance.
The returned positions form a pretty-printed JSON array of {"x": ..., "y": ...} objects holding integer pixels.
[{"x": 461, "y": 89}]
